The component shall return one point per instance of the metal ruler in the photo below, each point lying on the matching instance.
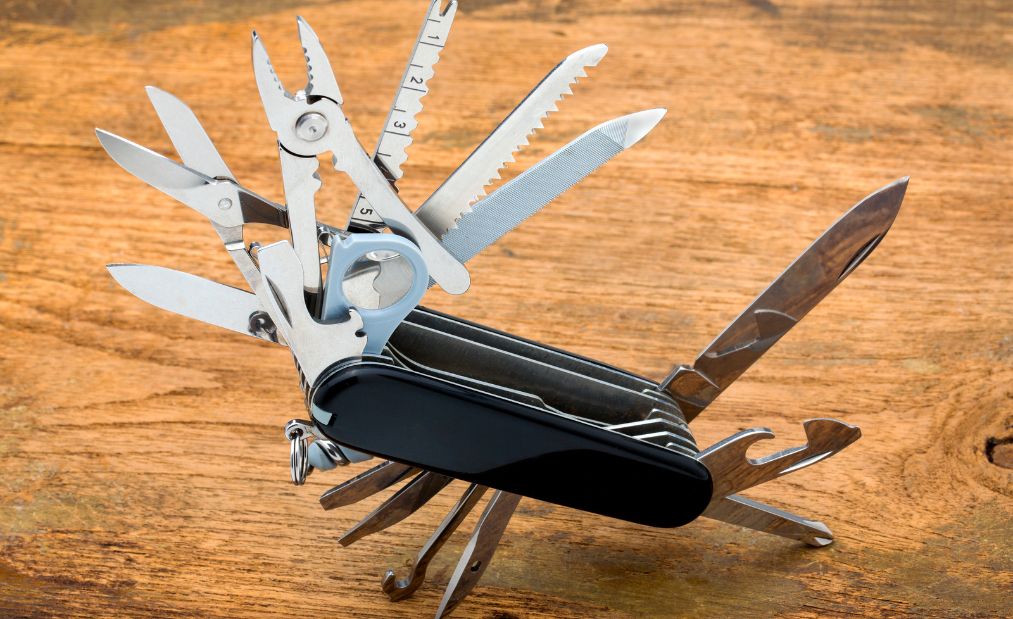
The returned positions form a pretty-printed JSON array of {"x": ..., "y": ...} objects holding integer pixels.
[{"x": 391, "y": 148}]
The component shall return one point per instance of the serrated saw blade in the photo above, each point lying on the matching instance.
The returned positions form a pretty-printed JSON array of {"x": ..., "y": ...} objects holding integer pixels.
[{"x": 467, "y": 184}]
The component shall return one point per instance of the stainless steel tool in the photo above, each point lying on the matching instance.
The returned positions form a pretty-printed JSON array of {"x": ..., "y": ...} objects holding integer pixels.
[
  {"x": 310, "y": 123},
  {"x": 454, "y": 198},
  {"x": 438, "y": 398},
  {"x": 806, "y": 281},
  {"x": 392, "y": 147}
]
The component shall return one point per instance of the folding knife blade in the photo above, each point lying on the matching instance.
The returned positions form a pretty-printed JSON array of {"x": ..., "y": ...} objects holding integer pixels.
[
  {"x": 224, "y": 202},
  {"x": 188, "y": 137},
  {"x": 527, "y": 193},
  {"x": 195, "y": 297},
  {"x": 810, "y": 278},
  {"x": 392, "y": 146},
  {"x": 455, "y": 196}
]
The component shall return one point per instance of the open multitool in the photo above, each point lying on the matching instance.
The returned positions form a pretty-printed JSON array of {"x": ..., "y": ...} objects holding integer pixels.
[{"x": 437, "y": 398}]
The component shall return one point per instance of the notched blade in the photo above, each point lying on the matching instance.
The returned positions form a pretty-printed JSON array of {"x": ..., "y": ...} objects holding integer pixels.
[
  {"x": 467, "y": 184},
  {"x": 320, "y": 76},
  {"x": 272, "y": 93}
]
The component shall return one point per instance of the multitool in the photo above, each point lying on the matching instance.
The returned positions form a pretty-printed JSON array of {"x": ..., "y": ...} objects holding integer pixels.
[{"x": 436, "y": 398}]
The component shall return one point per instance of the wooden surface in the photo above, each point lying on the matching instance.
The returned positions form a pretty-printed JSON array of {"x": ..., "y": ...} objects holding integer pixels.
[{"x": 142, "y": 465}]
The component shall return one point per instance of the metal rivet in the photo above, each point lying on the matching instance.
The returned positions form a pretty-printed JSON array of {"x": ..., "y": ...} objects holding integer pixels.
[
  {"x": 311, "y": 126},
  {"x": 225, "y": 204}
]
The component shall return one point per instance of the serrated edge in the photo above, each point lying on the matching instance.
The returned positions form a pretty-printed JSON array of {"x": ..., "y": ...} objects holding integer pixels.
[
  {"x": 567, "y": 90},
  {"x": 526, "y": 141}
]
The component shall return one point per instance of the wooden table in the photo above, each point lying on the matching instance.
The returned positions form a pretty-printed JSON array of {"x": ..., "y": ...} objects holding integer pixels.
[{"x": 143, "y": 469}]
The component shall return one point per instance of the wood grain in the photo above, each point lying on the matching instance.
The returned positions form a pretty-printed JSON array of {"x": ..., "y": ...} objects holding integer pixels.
[{"x": 143, "y": 469}]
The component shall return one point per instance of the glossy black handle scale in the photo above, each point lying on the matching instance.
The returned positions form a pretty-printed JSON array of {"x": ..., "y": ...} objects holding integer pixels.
[{"x": 437, "y": 425}]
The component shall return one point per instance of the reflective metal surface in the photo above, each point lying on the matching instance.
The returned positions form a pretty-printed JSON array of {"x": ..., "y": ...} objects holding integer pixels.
[
  {"x": 734, "y": 472},
  {"x": 754, "y": 515},
  {"x": 479, "y": 551},
  {"x": 316, "y": 346},
  {"x": 810, "y": 278},
  {"x": 392, "y": 146},
  {"x": 322, "y": 96},
  {"x": 195, "y": 297},
  {"x": 400, "y": 588},
  {"x": 454, "y": 198},
  {"x": 365, "y": 485},
  {"x": 404, "y": 503},
  {"x": 543, "y": 182}
]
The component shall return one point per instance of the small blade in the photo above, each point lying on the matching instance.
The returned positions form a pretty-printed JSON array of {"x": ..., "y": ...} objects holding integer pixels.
[
  {"x": 320, "y": 77},
  {"x": 528, "y": 193},
  {"x": 188, "y": 137},
  {"x": 810, "y": 278},
  {"x": 454, "y": 197},
  {"x": 195, "y": 297},
  {"x": 404, "y": 503},
  {"x": 364, "y": 485}
]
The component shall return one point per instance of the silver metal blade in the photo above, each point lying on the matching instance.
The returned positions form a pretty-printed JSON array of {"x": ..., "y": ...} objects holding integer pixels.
[
  {"x": 405, "y": 502},
  {"x": 366, "y": 484},
  {"x": 224, "y": 202},
  {"x": 528, "y": 193},
  {"x": 396, "y": 137},
  {"x": 745, "y": 512},
  {"x": 188, "y": 137},
  {"x": 455, "y": 196},
  {"x": 154, "y": 169},
  {"x": 810, "y": 278},
  {"x": 195, "y": 297}
]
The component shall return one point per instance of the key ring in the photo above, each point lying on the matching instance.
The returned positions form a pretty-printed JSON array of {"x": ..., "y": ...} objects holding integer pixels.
[{"x": 297, "y": 432}]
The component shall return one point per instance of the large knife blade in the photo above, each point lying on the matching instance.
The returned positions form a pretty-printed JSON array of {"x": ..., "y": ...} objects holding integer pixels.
[
  {"x": 466, "y": 184},
  {"x": 810, "y": 278},
  {"x": 527, "y": 193},
  {"x": 195, "y": 297}
]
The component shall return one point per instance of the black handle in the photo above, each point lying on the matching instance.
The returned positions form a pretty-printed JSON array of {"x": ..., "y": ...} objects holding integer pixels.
[{"x": 459, "y": 431}]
